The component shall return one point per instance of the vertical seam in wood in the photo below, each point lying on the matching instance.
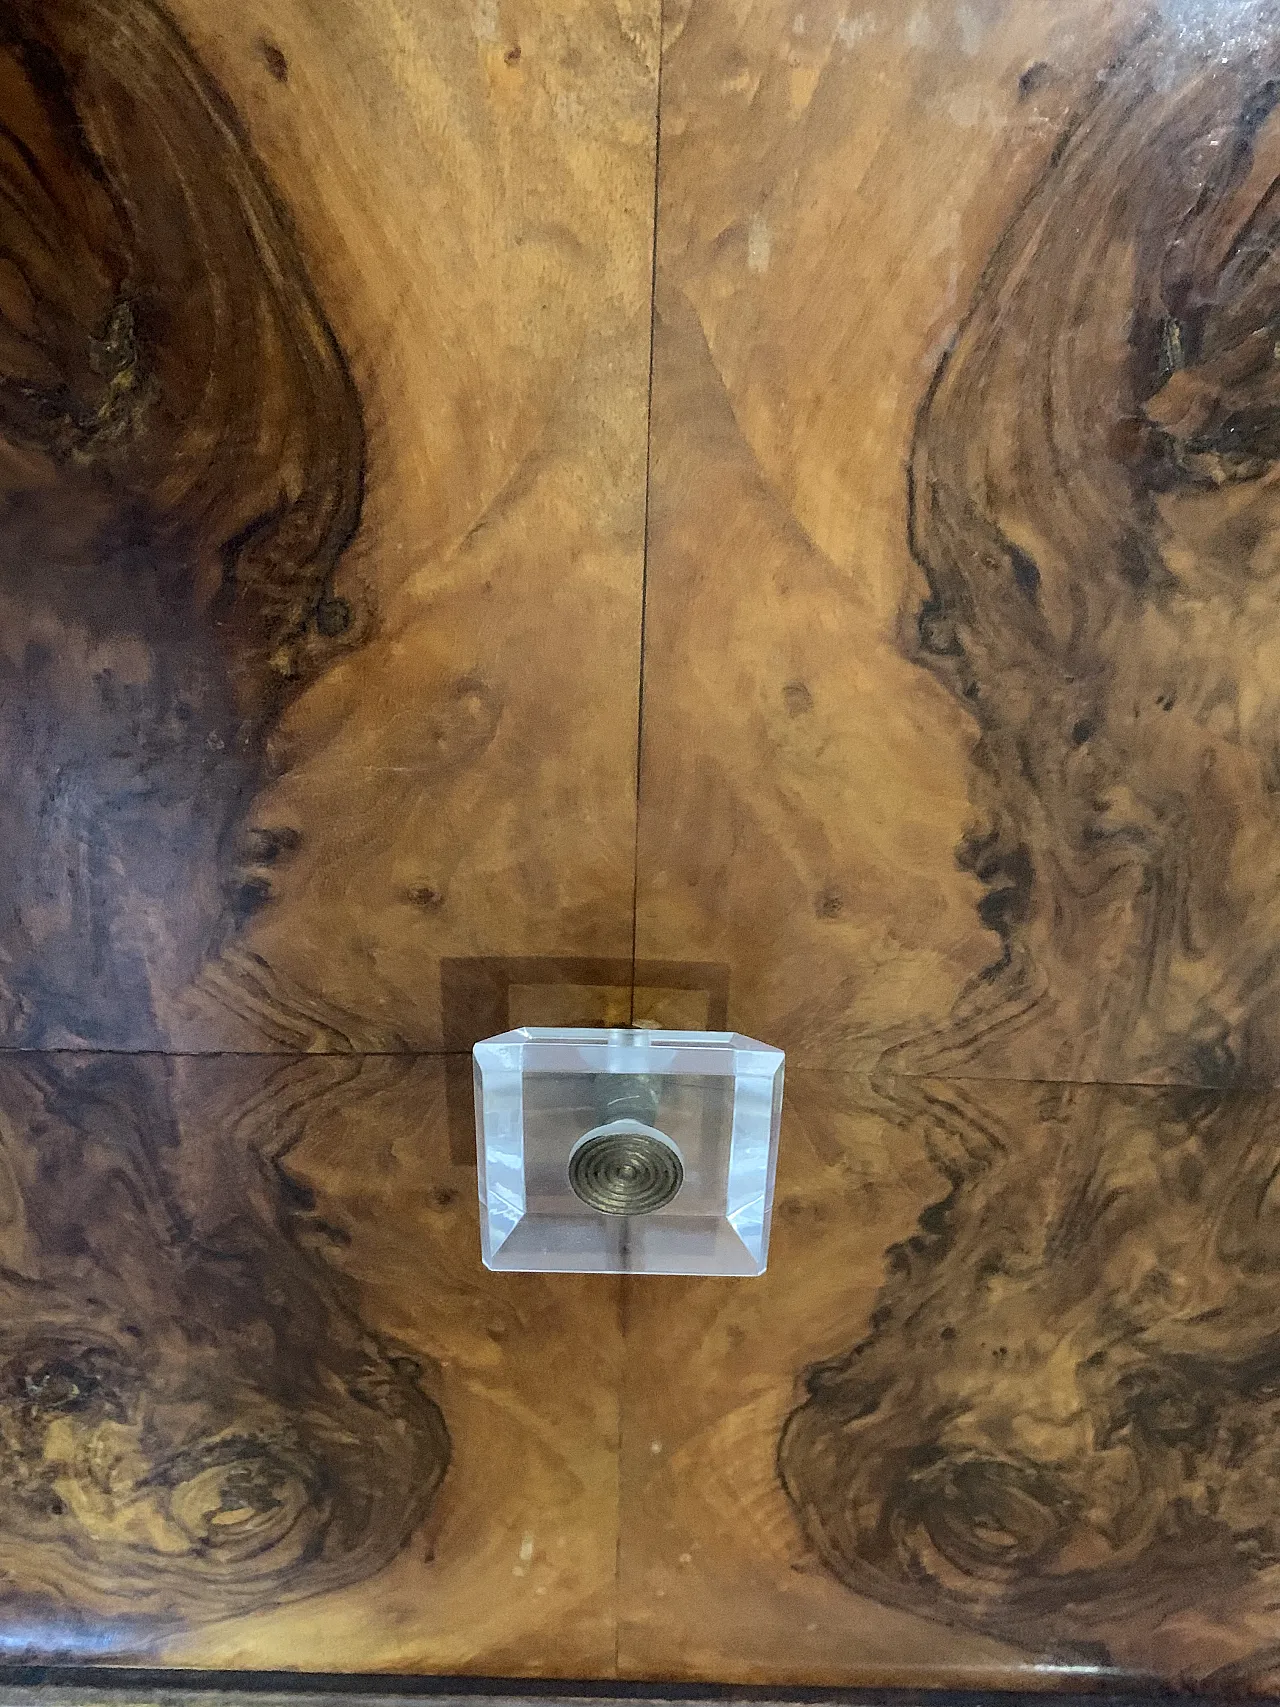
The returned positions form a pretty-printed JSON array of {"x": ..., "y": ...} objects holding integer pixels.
[
  {"x": 648, "y": 481},
  {"x": 623, "y": 1289}
]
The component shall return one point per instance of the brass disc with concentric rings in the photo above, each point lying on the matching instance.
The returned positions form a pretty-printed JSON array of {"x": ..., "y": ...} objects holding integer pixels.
[{"x": 625, "y": 1173}]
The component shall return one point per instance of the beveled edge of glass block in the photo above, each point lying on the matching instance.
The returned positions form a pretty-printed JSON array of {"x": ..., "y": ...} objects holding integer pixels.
[
  {"x": 499, "y": 1148},
  {"x": 753, "y": 1165},
  {"x": 765, "y": 1056}
]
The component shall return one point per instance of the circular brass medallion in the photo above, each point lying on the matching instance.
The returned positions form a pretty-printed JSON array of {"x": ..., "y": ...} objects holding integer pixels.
[{"x": 625, "y": 1173}]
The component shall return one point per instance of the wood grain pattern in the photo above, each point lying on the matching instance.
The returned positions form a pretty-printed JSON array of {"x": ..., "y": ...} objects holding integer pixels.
[
  {"x": 262, "y": 1405},
  {"x": 717, "y": 1579},
  {"x": 195, "y": 1423},
  {"x": 1091, "y": 502},
  {"x": 965, "y": 380},
  {"x": 323, "y": 339},
  {"x": 476, "y": 187},
  {"x": 298, "y": 487},
  {"x": 829, "y": 196},
  {"x": 316, "y": 425},
  {"x": 1044, "y": 1418},
  {"x": 966, "y": 327}
]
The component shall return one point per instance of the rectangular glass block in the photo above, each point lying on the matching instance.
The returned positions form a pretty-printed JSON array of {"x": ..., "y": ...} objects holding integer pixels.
[{"x": 626, "y": 1152}]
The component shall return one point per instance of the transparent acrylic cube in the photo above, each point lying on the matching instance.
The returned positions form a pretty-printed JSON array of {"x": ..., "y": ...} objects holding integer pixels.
[{"x": 626, "y": 1152}]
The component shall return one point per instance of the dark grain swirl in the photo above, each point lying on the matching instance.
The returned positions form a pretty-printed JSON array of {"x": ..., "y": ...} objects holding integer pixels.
[
  {"x": 171, "y": 394},
  {"x": 193, "y": 1421},
  {"x": 1093, "y": 501},
  {"x": 181, "y": 467},
  {"x": 1065, "y": 1422}
]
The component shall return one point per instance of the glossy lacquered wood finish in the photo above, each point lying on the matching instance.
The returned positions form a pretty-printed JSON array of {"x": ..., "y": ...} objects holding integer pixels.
[
  {"x": 262, "y": 1404},
  {"x": 324, "y": 367},
  {"x": 1003, "y": 1406},
  {"x": 323, "y": 362},
  {"x": 958, "y": 750},
  {"x": 959, "y": 731},
  {"x": 324, "y": 372}
]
